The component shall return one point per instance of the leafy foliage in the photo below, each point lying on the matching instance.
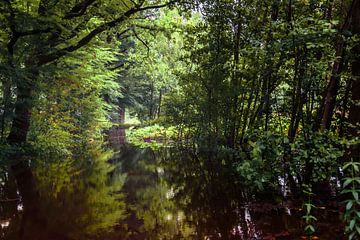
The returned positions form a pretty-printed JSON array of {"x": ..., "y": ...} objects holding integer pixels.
[
  {"x": 350, "y": 185},
  {"x": 154, "y": 136}
]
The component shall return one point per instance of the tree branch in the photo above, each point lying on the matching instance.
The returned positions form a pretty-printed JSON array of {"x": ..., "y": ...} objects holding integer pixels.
[
  {"x": 79, "y": 9},
  {"x": 142, "y": 41},
  {"x": 44, "y": 59},
  {"x": 117, "y": 67},
  {"x": 157, "y": 6}
]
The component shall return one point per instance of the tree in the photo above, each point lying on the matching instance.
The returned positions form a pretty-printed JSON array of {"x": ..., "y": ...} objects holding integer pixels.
[
  {"x": 278, "y": 71},
  {"x": 48, "y": 31},
  {"x": 153, "y": 64},
  {"x": 354, "y": 111}
]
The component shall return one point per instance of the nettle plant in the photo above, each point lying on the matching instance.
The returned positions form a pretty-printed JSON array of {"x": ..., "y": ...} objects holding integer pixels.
[
  {"x": 351, "y": 189},
  {"x": 309, "y": 207}
]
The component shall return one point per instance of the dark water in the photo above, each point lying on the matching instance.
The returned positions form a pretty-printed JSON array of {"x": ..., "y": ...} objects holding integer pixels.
[{"x": 175, "y": 195}]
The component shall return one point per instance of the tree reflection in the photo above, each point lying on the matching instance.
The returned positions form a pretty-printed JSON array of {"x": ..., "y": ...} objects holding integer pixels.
[
  {"x": 75, "y": 204},
  {"x": 152, "y": 212},
  {"x": 174, "y": 195},
  {"x": 204, "y": 185}
]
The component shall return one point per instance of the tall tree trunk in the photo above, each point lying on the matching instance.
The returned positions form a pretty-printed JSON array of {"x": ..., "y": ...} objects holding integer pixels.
[
  {"x": 330, "y": 95},
  {"x": 122, "y": 114},
  {"x": 32, "y": 226},
  {"x": 354, "y": 110}
]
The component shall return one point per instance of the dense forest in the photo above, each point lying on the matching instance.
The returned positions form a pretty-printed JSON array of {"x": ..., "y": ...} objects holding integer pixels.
[{"x": 183, "y": 119}]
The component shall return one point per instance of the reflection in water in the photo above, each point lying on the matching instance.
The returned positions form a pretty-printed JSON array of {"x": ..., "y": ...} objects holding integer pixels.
[
  {"x": 166, "y": 195},
  {"x": 76, "y": 201},
  {"x": 179, "y": 195},
  {"x": 152, "y": 213}
]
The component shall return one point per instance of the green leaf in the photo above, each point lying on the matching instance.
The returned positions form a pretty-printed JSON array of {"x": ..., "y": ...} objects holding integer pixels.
[
  {"x": 349, "y": 205},
  {"x": 351, "y": 236},
  {"x": 353, "y": 164},
  {"x": 347, "y": 191},
  {"x": 355, "y": 194},
  {"x": 309, "y": 228},
  {"x": 352, "y": 224},
  {"x": 347, "y": 182},
  {"x": 357, "y": 229}
]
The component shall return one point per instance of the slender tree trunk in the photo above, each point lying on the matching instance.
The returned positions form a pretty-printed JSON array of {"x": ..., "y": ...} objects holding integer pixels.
[
  {"x": 159, "y": 107},
  {"x": 151, "y": 108},
  {"x": 235, "y": 86},
  {"x": 344, "y": 109},
  {"x": 245, "y": 116},
  {"x": 333, "y": 86},
  {"x": 296, "y": 95}
]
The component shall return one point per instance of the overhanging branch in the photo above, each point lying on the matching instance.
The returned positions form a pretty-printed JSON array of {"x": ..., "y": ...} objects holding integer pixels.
[{"x": 44, "y": 59}]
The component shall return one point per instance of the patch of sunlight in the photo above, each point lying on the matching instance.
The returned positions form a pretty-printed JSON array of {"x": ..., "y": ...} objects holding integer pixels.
[
  {"x": 170, "y": 193},
  {"x": 169, "y": 217},
  {"x": 129, "y": 119}
]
